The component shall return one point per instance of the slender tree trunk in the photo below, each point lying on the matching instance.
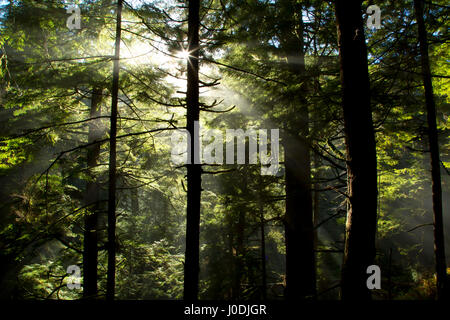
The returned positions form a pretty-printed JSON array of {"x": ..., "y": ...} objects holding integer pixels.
[
  {"x": 316, "y": 202},
  {"x": 316, "y": 164},
  {"x": 90, "y": 251},
  {"x": 361, "y": 154},
  {"x": 263, "y": 241},
  {"x": 239, "y": 256},
  {"x": 191, "y": 266},
  {"x": 390, "y": 275},
  {"x": 231, "y": 236},
  {"x": 111, "y": 272},
  {"x": 299, "y": 229},
  {"x": 439, "y": 243},
  {"x": 134, "y": 194}
]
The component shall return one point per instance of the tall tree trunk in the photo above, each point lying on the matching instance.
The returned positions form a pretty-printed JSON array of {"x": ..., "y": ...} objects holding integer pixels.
[
  {"x": 263, "y": 240},
  {"x": 299, "y": 229},
  {"x": 134, "y": 195},
  {"x": 239, "y": 256},
  {"x": 316, "y": 164},
  {"x": 240, "y": 245},
  {"x": 439, "y": 244},
  {"x": 111, "y": 272},
  {"x": 361, "y": 223},
  {"x": 316, "y": 202},
  {"x": 191, "y": 266},
  {"x": 90, "y": 251}
]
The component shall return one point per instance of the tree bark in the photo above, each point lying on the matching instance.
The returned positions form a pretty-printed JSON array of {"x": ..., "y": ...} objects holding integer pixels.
[
  {"x": 90, "y": 251},
  {"x": 191, "y": 266},
  {"x": 299, "y": 229},
  {"x": 439, "y": 242},
  {"x": 316, "y": 202},
  {"x": 111, "y": 272},
  {"x": 361, "y": 223}
]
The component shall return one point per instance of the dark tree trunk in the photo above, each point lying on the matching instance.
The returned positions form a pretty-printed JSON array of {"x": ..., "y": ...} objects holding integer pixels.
[
  {"x": 191, "y": 266},
  {"x": 299, "y": 230},
  {"x": 361, "y": 154},
  {"x": 134, "y": 195},
  {"x": 316, "y": 202},
  {"x": 316, "y": 164},
  {"x": 239, "y": 254},
  {"x": 240, "y": 245},
  {"x": 231, "y": 249},
  {"x": 90, "y": 251},
  {"x": 111, "y": 272},
  {"x": 439, "y": 244}
]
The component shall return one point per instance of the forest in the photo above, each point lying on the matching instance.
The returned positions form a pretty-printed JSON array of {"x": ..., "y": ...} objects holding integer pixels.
[{"x": 235, "y": 150}]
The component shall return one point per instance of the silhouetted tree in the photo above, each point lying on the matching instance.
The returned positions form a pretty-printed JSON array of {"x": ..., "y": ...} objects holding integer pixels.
[
  {"x": 191, "y": 266},
  {"x": 439, "y": 243}
]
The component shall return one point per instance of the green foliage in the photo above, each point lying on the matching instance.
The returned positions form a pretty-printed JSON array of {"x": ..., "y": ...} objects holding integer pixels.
[{"x": 149, "y": 272}]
